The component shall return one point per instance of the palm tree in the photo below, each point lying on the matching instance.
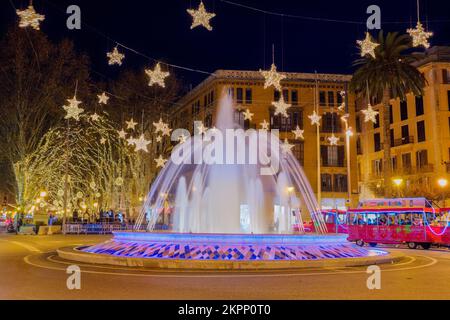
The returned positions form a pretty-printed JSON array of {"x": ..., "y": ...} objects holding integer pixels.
[{"x": 390, "y": 75}]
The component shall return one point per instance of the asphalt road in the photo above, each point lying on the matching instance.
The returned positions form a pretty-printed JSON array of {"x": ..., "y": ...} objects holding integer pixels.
[{"x": 30, "y": 269}]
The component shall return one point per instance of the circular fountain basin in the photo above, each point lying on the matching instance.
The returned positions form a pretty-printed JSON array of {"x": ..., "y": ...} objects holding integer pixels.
[{"x": 227, "y": 251}]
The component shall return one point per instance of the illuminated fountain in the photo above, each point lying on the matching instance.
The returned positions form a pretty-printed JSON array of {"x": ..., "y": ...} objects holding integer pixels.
[{"x": 229, "y": 195}]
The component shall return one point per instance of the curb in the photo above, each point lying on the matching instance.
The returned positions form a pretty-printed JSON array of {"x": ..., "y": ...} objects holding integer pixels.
[{"x": 74, "y": 254}]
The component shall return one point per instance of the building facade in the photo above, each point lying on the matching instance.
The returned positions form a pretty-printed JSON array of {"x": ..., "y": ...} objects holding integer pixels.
[
  {"x": 419, "y": 138},
  {"x": 305, "y": 92}
]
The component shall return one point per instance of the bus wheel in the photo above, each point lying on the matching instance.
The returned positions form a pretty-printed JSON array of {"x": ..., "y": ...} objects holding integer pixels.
[
  {"x": 426, "y": 246},
  {"x": 360, "y": 243},
  {"x": 412, "y": 245},
  {"x": 373, "y": 245}
]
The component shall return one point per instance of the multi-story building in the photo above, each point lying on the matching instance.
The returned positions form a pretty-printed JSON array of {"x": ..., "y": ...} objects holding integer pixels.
[
  {"x": 300, "y": 90},
  {"x": 419, "y": 137}
]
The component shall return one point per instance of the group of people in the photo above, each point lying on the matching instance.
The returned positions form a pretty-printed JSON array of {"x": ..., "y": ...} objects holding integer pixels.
[{"x": 101, "y": 216}]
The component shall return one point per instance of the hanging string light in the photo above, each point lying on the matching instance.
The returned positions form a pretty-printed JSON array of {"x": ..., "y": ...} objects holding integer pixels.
[
  {"x": 248, "y": 115},
  {"x": 264, "y": 125},
  {"x": 115, "y": 57},
  {"x": 419, "y": 35},
  {"x": 369, "y": 114},
  {"x": 367, "y": 46},
  {"x": 298, "y": 133},
  {"x": 201, "y": 17},
  {"x": 103, "y": 98},
  {"x": 157, "y": 76},
  {"x": 131, "y": 125},
  {"x": 272, "y": 77},
  {"x": 315, "y": 118},
  {"x": 281, "y": 107},
  {"x": 160, "y": 162},
  {"x": 30, "y": 18},
  {"x": 141, "y": 144}
]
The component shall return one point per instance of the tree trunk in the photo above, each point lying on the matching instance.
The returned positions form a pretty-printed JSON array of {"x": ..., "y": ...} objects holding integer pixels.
[{"x": 386, "y": 128}]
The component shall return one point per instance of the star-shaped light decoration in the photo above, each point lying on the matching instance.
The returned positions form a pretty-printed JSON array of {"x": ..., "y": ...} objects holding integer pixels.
[
  {"x": 141, "y": 144},
  {"x": 159, "y": 126},
  {"x": 420, "y": 36},
  {"x": 264, "y": 125},
  {"x": 122, "y": 134},
  {"x": 103, "y": 98},
  {"x": 370, "y": 114},
  {"x": 157, "y": 76},
  {"x": 333, "y": 140},
  {"x": 248, "y": 115},
  {"x": 102, "y": 141},
  {"x": 119, "y": 182},
  {"x": 315, "y": 118},
  {"x": 201, "y": 129},
  {"x": 166, "y": 131},
  {"x": 201, "y": 17},
  {"x": 131, "y": 141},
  {"x": 115, "y": 57},
  {"x": 29, "y": 18},
  {"x": 160, "y": 162},
  {"x": 95, "y": 117},
  {"x": 286, "y": 147},
  {"x": 298, "y": 133},
  {"x": 158, "y": 139},
  {"x": 281, "y": 107},
  {"x": 367, "y": 46},
  {"x": 272, "y": 77},
  {"x": 131, "y": 125},
  {"x": 182, "y": 138},
  {"x": 73, "y": 111},
  {"x": 342, "y": 107}
]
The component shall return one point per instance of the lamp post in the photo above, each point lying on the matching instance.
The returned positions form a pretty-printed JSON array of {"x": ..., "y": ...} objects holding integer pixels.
[
  {"x": 443, "y": 183},
  {"x": 348, "y": 135},
  {"x": 398, "y": 183}
]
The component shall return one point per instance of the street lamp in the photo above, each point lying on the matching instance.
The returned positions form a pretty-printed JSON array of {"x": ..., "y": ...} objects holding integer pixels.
[
  {"x": 43, "y": 194},
  {"x": 348, "y": 135},
  {"x": 397, "y": 182},
  {"x": 443, "y": 183}
]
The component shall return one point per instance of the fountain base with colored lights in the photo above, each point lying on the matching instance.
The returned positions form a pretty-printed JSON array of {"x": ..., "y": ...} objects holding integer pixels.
[{"x": 229, "y": 216}]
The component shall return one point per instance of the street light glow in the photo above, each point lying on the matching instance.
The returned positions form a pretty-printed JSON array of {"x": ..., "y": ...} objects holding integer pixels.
[
  {"x": 398, "y": 182},
  {"x": 443, "y": 182}
]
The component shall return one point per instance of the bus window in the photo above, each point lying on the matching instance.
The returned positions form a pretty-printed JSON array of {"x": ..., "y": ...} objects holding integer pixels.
[
  {"x": 352, "y": 219},
  {"x": 372, "y": 219},
  {"x": 341, "y": 218},
  {"x": 393, "y": 221},
  {"x": 329, "y": 218},
  {"x": 408, "y": 220},
  {"x": 417, "y": 220},
  {"x": 361, "y": 219},
  {"x": 382, "y": 221}
]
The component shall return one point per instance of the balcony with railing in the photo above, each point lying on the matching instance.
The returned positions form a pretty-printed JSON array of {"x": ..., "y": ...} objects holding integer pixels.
[
  {"x": 427, "y": 168},
  {"x": 403, "y": 141}
]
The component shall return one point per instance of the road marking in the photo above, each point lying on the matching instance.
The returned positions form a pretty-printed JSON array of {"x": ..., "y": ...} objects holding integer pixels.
[
  {"x": 50, "y": 258},
  {"x": 23, "y": 245},
  {"x": 433, "y": 262}
]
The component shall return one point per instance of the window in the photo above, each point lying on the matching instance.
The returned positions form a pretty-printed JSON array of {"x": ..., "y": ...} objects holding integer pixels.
[
  {"x": 340, "y": 99},
  {"x": 322, "y": 98},
  {"x": 394, "y": 164},
  {"x": 406, "y": 163},
  {"x": 195, "y": 108},
  {"x": 331, "y": 123},
  {"x": 294, "y": 97},
  {"x": 208, "y": 121},
  {"x": 392, "y": 137},
  {"x": 239, "y": 118},
  {"x": 377, "y": 167},
  {"x": 376, "y": 125},
  {"x": 299, "y": 152},
  {"x": 248, "y": 96},
  {"x": 448, "y": 99},
  {"x": 358, "y": 124},
  {"x": 419, "y": 106},
  {"x": 340, "y": 183},
  {"x": 331, "y": 98},
  {"x": 326, "y": 184},
  {"x": 359, "y": 150},
  {"x": 405, "y": 135},
  {"x": 286, "y": 95},
  {"x": 297, "y": 119},
  {"x": 445, "y": 77},
  {"x": 403, "y": 110},
  {"x": 391, "y": 114},
  {"x": 422, "y": 159},
  {"x": 276, "y": 95},
  {"x": 377, "y": 142},
  {"x": 421, "y": 131},
  {"x": 239, "y": 95},
  {"x": 332, "y": 156}
]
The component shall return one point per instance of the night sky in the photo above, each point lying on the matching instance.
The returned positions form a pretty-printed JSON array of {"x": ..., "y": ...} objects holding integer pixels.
[{"x": 241, "y": 39}]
